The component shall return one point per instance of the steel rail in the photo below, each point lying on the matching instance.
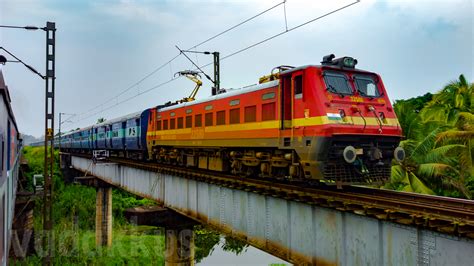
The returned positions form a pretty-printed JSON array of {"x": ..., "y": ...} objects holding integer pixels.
[{"x": 442, "y": 214}]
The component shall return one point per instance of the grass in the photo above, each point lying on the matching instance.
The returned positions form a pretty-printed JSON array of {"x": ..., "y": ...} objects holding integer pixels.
[{"x": 74, "y": 224}]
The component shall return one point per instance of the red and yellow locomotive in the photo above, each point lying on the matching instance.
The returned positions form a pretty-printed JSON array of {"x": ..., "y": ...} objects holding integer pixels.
[{"x": 329, "y": 122}]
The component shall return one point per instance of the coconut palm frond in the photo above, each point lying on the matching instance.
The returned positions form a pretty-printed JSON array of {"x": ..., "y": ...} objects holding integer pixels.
[
  {"x": 465, "y": 121},
  {"x": 430, "y": 170},
  {"x": 459, "y": 186},
  {"x": 455, "y": 135},
  {"x": 418, "y": 186},
  {"x": 434, "y": 113},
  {"x": 444, "y": 154},
  {"x": 425, "y": 145},
  {"x": 397, "y": 174}
]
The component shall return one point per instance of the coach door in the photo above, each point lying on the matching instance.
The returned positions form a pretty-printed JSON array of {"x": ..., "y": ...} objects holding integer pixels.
[
  {"x": 292, "y": 97},
  {"x": 286, "y": 103}
]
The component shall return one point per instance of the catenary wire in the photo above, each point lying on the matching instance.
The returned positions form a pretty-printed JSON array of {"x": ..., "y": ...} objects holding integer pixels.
[
  {"x": 176, "y": 56},
  {"x": 223, "y": 58}
]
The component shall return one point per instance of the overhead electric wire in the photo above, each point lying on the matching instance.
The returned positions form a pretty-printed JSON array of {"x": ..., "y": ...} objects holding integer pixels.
[
  {"x": 130, "y": 98},
  {"x": 175, "y": 57},
  {"x": 283, "y": 32},
  {"x": 237, "y": 25},
  {"x": 223, "y": 58}
]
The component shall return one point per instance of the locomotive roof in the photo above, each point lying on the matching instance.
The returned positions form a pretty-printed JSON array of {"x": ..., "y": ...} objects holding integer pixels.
[
  {"x": 119, "y": 119},
  {"x": 227, "y": 94},
  {"x": 325, "y": 67}
]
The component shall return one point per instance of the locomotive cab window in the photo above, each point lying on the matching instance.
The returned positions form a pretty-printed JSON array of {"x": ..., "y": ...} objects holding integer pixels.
[
  {"x": 298, "y": 86},
  {"x": 337, "y": 83},
  {"x": 366, "y": 85}
]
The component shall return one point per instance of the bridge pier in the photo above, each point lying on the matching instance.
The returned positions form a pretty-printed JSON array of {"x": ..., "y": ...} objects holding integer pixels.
[
  {"x": 179, "y": 232},
  {"x": 103, "y": 216},
  {"x": 179, "y": 247}
]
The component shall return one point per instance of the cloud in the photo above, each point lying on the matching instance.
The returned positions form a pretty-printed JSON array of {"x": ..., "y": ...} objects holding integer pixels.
[{"x": 136, "y": 11}]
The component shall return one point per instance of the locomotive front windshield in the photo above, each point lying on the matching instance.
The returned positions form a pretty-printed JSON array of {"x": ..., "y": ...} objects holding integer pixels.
[
  {"x": 337, "y": 83},
  {"x": 366, "y": 85}
]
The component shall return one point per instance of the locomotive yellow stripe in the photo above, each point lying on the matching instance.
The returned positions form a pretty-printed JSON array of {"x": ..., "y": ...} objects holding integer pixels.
[{"x": 275, "y": 124}]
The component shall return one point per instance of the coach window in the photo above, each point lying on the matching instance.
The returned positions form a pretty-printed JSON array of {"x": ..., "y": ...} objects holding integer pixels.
[
  {"x": 268, "y": 111},
  {"x": 220, "y": 118},
  {"x": 208, "y": 119},
  {"x": 172, "y": 123},
  {"x": 158, "y": 125},
  {"x": 180, "y": 122},
  {"x": 234, "y": 116},
  {"x": 189, "y": 121},
  {"x": 198, "y": 120},
  {"x": 298, "y": 86},
  {"x": 165, "y": 124},
  {"x": 250, "y": 114}
]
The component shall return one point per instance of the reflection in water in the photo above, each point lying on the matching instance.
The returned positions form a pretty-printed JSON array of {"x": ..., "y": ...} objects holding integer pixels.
[
  {"x": 201, "y": 246},
  {"x": 187, "y": 244},
  {"x": 208, "y": 247}
]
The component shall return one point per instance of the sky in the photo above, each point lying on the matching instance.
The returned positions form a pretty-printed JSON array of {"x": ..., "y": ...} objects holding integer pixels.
[{"x": 105, "y": 48}]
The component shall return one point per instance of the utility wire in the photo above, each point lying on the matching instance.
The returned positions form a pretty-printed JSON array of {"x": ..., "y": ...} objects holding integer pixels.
[
  {"x": 237, "y": 25},
  {"x": 284, "y": 32},
  {"x": 175, "y": 57},
  {"x": 223, "y": 58},
  {"x": 128, "y": 99}
]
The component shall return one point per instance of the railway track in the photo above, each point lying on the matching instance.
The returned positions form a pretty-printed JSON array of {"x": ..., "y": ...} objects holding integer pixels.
[{"x": 447, "y": 215}]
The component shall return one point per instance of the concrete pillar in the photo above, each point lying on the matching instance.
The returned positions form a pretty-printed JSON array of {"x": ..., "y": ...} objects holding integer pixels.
[
  {"x": 179, "y": 247},
  {"x": 103, "y": 216}
]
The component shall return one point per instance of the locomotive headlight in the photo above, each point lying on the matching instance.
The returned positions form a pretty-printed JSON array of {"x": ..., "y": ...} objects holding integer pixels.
[
  {"x": 399, "y": 154},
  {"x": 349, "y": 154},
  {"x": 349, "y": 62}
]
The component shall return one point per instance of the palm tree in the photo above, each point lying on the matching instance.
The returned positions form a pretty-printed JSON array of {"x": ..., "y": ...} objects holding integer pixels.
[
  {"x": 462, "y": 134},
  {"x": 455, "y": 97},
  {"x": 439, "y": 144}
]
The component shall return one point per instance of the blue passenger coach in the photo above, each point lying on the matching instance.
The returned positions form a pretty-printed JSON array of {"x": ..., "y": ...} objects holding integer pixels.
[{"x": 124, "y": 136}]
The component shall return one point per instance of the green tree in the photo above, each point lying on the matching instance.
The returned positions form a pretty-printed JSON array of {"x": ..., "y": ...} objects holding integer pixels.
[
  {"x": 455, "y": 97},
  {"x": 439, "y": 143}
]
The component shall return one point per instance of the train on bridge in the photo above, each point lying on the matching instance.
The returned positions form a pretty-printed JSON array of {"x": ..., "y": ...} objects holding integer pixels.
[{"x": 331, "y": 123}]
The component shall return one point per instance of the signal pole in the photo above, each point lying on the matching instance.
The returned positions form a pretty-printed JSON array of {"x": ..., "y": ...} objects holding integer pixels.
[{"x": 50, "y": 30}]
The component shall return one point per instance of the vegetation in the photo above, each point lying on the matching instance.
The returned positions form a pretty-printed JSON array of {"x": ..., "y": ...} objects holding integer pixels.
[
  {"x": 439, "y": 131},
  {"x": 74, "y": 226}
]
